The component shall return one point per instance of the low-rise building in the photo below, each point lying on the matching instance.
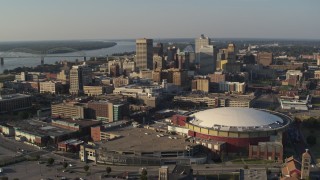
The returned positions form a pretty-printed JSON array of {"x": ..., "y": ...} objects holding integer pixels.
[
  {"x": 68, "y": 110},
  {"x": 52, "y": 87},
  {"x": 14, "y": 102},
  {"x": 218, "y": 100},
  {"x": 94, "y": 90},
  {"x": 236, "y": 87},
  {"x": 267, "y": 151},
  {"x": 70, "y": 145},
  {"x": 295, "y": 104}
]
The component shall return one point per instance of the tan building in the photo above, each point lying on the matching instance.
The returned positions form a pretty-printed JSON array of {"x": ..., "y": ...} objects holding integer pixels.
[
  {"x": 218, "y": 100},
  {"x": 201, "y": 41},
  {"x": 87, "y": 152},
  {"x": 128, "y": 67},
  {"x": 93, "y": 90},
  {"x": 50, "y": 87},
  {"x": 217, "y": 77},
  {"x": 180, "y": 77},
  {"x": 121, "y": 81},
  {"x": 64, "y": 76},
  {"x": 200, "y": 84},
  {"x": 145, "y": 74},
  {"x": 231, "y": 50},
  {"x": 164, "y": 173},
  {"x": 157, "y": 75},
  {"x": 144, "y": 53},
  {"x": 317, "y": 74},
  {"x": 158, "y": 62},
  {"x": 68, "y": 110},
  {"x": 79, "y": 76},
  {"x": 265, "y": 58}
]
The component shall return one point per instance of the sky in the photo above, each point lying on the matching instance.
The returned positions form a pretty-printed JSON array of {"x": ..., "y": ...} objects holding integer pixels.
[{"x": 24, "y": 20}]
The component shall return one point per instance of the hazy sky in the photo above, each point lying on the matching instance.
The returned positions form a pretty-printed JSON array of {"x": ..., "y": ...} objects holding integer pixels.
[{"x": 112, "y": 19}]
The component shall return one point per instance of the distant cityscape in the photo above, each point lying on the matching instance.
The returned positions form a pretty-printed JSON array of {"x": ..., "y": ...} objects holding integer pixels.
[{"x": 179, "y": 109}]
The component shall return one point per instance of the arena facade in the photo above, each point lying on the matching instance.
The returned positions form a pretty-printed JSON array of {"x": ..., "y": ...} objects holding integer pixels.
[{"x": 238, "y": 127}]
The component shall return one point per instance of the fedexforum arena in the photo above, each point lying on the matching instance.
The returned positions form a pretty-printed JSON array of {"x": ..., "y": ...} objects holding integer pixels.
[
  {"x": 232, "y": 129},
  {"x": 237, "y": 127}
]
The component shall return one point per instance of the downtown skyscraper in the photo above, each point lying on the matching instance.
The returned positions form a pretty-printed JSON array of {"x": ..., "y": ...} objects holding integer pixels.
[{"x": 144, "y": 54}]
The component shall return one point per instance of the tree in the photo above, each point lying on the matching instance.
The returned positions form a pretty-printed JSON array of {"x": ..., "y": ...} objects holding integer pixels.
[
  {"x": 144, "y": 174},
  {"x": 86, "y": 168},
  {"x": 108, "y": 170},
  {"x": 50, "y": 161},
  {"x": 65, "y": 165},
  {"x": 23, "y": 115},
  {"x": 311, "y": 140}
]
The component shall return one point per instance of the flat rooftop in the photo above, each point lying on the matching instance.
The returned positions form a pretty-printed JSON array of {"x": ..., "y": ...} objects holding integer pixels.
[
  {"x": 12, "y": 96},
  {"x": 144, "y": 140},
  {"x": 81, "y": 123},
  {"x": 220, "y": 96},
  {"x": 38, "y": 128}
]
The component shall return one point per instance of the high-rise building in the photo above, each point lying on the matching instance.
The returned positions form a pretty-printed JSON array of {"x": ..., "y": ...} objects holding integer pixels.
[
  {"x": 183, "y": 60},
  {"x": 265, "y": 58},
  {"x": 114, "y": 70},
  {"x": 158, "y": 50},
  {"x": 206, "y": 60},
  {"x": 158, "y": 62},
  {"x": 318, "y": 59},
  {"x": 180, "y": 77},
  {"x": 231, "y": 52},
  {"x": 217, "y": 77},
  {"x": 144, "y": 53},
  {"x": 201, "y": 41},
  {"x": 171, "y": 53},
  {"x": 200, "y": 84},
  {"x": 128, "y": 67},
  {"x": 79, "y": 76}
]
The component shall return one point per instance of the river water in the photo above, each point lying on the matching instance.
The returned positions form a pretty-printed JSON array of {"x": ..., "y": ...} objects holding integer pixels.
[{"x": 11, "y": 63}]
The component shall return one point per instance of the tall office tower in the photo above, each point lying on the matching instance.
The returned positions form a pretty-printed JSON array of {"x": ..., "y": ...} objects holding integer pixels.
[
  {"x": 158, "y": 62},
  {"x": 199, "y": 42},
  {"x": 114, "y": 70},
  {"x": 183, "y": 60},
  {"x": 222, "y": 54},
  {"x": 128, "y": 66},
  {"x": 144, "y": 53},
  {"x": 318, "y": 59},
  {"x": 231, "y": 52},
  {"x": 158, "y": 50},
  {"x": 79, "y": 76},
  {"x": 200, "y": 84},
  {"x": 264, "y": 58},
  {"x": 180, "y": 77},
  {"x": 305, "y": 165},
  {"x": 171, "y": 53},
  {"x": 207, "y": 61}
]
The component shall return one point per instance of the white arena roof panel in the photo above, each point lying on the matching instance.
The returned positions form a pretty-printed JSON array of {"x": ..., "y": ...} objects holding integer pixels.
[{"x": 234, "y": 117}]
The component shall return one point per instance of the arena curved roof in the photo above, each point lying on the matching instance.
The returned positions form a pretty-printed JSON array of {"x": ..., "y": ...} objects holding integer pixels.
[{"x": 237, "y": 117}]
